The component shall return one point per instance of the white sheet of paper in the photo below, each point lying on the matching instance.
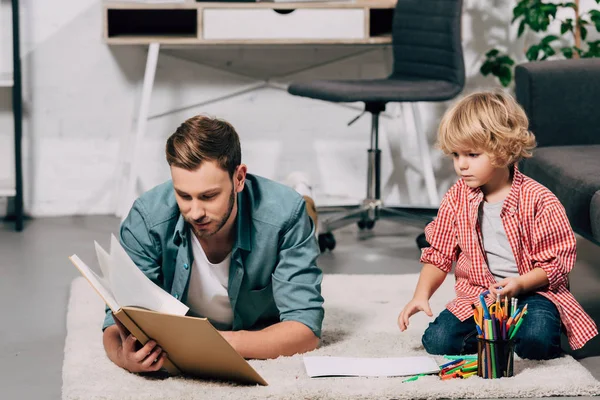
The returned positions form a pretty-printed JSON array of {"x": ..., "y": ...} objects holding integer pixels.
[{"x": 350, "y": 366}]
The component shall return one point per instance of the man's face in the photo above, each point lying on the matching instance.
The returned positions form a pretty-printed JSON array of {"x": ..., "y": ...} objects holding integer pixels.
[{"x": 206, "y": 196}]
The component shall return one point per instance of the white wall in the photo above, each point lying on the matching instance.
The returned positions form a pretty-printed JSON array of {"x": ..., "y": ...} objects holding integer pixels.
[{"x": 80, "y": 101}]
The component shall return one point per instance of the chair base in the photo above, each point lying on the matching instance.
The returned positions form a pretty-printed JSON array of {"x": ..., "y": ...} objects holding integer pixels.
[{"x": 365, "y": 215}]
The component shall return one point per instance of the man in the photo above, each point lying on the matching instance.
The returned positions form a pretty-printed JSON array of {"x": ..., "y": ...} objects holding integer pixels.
[{"x": 236, "y": 248}]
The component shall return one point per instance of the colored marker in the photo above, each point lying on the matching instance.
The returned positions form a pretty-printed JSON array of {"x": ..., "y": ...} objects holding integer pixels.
[{"x": 413, "y": 378}]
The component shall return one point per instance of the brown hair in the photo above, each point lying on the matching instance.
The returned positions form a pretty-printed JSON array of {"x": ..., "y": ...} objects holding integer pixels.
[
  {"x": 492, "y": 122},
  {"x": 202, "y": 138}
]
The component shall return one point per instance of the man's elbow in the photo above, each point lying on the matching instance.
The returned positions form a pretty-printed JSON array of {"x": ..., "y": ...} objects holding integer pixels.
[{"x": 312, "y": 343}]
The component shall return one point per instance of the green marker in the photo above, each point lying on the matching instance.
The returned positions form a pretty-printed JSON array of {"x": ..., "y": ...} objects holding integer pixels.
[
  {"x": 413, "y": 378},
  {"x": 466, "y": 357},
  {"x": 517, "y": 326}
]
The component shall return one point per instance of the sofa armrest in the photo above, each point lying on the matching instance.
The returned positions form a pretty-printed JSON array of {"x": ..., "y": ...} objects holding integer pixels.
[{"x": 561, "y": 100}]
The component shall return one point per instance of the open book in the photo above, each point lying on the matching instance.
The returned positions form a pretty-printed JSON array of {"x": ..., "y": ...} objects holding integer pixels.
[{"x": 193, "y": 345}]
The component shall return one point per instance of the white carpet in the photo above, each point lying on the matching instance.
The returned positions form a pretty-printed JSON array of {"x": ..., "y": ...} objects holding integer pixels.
[{"x": 360, "y": 321}]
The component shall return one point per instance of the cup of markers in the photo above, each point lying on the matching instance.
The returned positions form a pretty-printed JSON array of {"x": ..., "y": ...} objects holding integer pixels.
[{"x": 497, "y": 325}]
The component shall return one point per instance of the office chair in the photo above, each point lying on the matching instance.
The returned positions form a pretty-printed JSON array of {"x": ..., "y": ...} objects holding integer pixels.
[{"x": 428, "y": 66}]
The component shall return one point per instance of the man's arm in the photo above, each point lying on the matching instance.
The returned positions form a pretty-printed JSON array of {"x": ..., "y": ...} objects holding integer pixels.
[
  {"x": 297, "y": 293},
  {"x": 281, "y": 339}
]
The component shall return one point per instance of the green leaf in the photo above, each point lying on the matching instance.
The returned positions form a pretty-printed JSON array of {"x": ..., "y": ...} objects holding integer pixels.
[
  {"x": 566, "y": 26},
  {"x": 505, "y": 75},
  {"x": 572, "y": 5},
  {"x": 595, "y": 17},
  {"x": 521, "y": 28},
  {"x": 549, "y": 39},
  {"x": 583, "y": 32},
  {"x": 492, "y": 53},
  {"x": 548, "y": 52},
  {"x": 534, "y": 18},
  {"x": 567, "y": 52},
  {"x": 593, "y": 49},
  {"x": 506, "y": 60},
  {"x": 486, "y": 68},
  {"x": 532, "y": 52},
  {"x": 549, "y": 9},
  {"x": 518, "y": 11}
]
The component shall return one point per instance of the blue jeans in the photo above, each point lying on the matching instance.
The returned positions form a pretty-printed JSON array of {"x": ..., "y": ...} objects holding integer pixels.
[{"x": 538, "y": 338}]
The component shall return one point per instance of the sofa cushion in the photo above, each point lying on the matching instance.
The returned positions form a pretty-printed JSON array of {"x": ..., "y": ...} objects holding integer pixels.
[
  {"x": 595, "y": 216},
  {"x": 572, "y": 173}
]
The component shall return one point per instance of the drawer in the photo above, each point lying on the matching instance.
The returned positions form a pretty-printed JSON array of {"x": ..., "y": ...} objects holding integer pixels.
[{"x": 266, "y": 23}]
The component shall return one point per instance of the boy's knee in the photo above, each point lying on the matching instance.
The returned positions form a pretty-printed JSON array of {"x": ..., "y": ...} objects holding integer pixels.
[
  {"x": 536, "y": 349},
  {"x": 436, "y": 340}
]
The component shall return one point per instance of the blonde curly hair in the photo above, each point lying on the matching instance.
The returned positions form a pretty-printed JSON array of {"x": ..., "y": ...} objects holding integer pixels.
[{"x": 492, "y": 122}]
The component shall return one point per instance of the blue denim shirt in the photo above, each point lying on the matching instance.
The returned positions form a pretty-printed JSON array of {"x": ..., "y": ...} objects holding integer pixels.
[{"x": 273, "y": 274}]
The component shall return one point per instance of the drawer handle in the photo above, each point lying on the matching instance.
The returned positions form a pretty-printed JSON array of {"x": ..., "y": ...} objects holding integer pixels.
[{"x": 284, "y": 11}]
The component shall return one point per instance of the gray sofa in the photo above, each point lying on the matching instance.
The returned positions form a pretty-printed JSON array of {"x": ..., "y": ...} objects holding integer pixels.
[{"x": 562, "y": 101}]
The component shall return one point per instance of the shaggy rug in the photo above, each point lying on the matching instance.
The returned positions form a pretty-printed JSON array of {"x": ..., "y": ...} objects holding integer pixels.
[{"x": 360, "y": 321}]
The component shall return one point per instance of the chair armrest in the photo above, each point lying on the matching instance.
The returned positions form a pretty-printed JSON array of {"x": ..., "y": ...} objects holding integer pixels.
[{"x": 561, "y": 100}]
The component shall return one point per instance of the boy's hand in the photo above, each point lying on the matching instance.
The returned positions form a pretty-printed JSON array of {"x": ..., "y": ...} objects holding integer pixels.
[
  {"x": 510, "y": 287},
  {"x": 413, "y": 307}
]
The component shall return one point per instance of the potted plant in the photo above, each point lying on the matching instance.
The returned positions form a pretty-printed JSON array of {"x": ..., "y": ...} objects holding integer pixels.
[{"x": 539, "y": 16}]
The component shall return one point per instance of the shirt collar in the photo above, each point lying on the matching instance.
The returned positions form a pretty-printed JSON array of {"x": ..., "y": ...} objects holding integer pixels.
[
  {"x": 242, "y": 225},
  {"x": 475, "y": 195},
  {"x": 243, "y": 240}
]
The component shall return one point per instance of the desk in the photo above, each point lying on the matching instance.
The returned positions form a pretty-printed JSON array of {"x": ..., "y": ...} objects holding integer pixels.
[{"x": 362, "y": 22}]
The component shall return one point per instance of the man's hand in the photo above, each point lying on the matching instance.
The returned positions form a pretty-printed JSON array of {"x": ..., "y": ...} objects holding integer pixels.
[
  {"x": 149, "y": 358},
  {"x": 413, "y": 307},
  {"x": 510, "y": 287}
]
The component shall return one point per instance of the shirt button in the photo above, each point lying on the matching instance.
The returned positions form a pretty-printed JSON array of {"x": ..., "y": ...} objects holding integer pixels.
[{"x": 186, "y": 266}]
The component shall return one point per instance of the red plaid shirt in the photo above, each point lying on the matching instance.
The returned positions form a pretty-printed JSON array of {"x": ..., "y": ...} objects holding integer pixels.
[{"x": 539, "y": 234}]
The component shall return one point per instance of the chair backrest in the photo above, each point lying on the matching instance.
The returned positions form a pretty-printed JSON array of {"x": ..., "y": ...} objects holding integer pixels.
[{"x": 426, "y": 37}]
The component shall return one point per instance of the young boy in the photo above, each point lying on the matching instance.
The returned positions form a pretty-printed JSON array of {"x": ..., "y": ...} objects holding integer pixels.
[{"x": 506, "y": 232}]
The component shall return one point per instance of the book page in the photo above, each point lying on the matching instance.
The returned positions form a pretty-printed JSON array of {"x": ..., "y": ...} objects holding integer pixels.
[
  {"x": 350, "y": 366},
  {"x": 132, "y": 288},
  {"x": 104, "y": 261},
  {"x": 100, "y": 284}
]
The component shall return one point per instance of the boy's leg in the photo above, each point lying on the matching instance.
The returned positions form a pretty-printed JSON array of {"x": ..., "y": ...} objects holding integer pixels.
[
  {"x": 448, "y": 335},
  {"x": 538, "y": 338}
]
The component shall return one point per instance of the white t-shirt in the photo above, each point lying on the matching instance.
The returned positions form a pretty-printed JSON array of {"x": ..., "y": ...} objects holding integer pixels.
[
  {"x": 207, "y": 292},
  {"x": 500, "y": 258}
]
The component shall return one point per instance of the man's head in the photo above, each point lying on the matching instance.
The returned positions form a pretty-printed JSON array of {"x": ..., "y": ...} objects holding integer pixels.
[
  {"x": 485, "y": 133},
  {"x": 205, "y": 158}
]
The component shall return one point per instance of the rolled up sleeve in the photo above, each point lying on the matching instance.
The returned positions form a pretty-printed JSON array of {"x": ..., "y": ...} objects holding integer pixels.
[
  {"x": 442, "y": 237},
  {"x": 296, "y": 278},
  {"x": 554, "y": 245}
]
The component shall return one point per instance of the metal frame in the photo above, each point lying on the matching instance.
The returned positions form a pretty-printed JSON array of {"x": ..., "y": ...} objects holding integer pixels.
[
  {"x": 18, "y": 117},
  {"x": 372, "y": 208}
]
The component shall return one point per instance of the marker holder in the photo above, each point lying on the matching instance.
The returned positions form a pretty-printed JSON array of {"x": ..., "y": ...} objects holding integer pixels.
[{"x": 495, "y": 358}]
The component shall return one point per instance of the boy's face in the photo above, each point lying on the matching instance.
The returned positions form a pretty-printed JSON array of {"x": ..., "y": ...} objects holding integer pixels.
[
  {"x": 474, "y": 167},
  {"x": 207, "y": 196}
]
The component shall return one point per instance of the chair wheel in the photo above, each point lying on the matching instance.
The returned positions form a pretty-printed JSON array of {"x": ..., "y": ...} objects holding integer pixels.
[
  {"x": 421, "y": 241},
  {"x": 365, "y": 224},
  {"x": 326, "y": 242}
]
